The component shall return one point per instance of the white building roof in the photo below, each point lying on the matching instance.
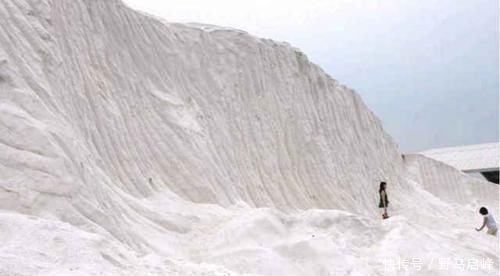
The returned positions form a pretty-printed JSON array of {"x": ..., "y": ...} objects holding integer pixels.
[{"x": 482, "y": 157}]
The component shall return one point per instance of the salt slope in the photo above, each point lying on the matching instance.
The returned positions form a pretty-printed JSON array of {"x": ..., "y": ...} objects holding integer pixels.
[
  {"x": 99, "y": 102},
  {"x": 125, "y": 137},
  {"x": 449, "y": 184}
]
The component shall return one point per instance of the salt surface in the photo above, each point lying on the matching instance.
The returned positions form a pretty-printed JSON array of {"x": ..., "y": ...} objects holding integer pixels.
[{"x": 132, "y": 146}]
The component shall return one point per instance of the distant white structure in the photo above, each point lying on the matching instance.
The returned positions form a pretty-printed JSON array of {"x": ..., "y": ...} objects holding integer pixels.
[{"x": 478, "y": 160}]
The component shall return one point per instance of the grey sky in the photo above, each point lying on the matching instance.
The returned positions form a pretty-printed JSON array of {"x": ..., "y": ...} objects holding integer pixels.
[{"x": 427, "y": 68}]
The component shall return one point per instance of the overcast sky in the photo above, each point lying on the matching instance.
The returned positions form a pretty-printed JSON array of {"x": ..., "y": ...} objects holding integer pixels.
[{"x": 427, "y": 68}]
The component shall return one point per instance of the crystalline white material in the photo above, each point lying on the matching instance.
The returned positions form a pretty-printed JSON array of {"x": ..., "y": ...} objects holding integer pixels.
[{"x": 131, "y": 146}]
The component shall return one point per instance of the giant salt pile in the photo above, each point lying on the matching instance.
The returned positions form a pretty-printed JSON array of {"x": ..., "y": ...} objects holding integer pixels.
[{"x": 132, "y": 146}]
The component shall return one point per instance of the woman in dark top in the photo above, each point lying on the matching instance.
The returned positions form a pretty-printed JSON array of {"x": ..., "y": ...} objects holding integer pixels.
[{"x": 384, "y": 201}]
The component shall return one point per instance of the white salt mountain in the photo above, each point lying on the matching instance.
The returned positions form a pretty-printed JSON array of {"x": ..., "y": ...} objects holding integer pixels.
[{"x": 131, "y": 146}]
